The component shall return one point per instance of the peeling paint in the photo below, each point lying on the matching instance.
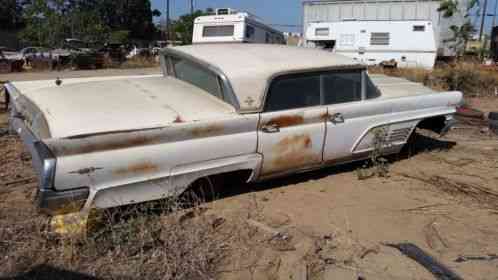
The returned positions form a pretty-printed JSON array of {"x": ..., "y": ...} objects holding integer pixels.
[
  {"x": 144, "y": 167},
  {"x": 286, "y": 121}
]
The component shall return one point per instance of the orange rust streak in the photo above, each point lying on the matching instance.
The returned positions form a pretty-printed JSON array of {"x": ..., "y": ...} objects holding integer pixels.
[
  {"x": 144, "y": 167},
  {"x": 293, "y": 151},
  {"x": 285, "y": 121},
  {"x": 204, "y": 131}
]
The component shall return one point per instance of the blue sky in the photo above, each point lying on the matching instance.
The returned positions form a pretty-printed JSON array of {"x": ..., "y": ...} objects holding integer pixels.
[{"x": 271, "y": 11}]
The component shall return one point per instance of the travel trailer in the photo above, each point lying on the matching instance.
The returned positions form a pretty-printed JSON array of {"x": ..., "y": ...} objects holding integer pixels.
[
  {"x": 228, "y": 25},
  {"x": 400, "y": 43}
]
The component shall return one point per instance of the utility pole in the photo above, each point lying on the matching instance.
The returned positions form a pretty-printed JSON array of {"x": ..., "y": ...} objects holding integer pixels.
[
  {"x": 494, "y": 14},
  {"x": 483, "y": 17},
  {"x": 191, "y": 7},
  {"x": 167, "y": 20}
]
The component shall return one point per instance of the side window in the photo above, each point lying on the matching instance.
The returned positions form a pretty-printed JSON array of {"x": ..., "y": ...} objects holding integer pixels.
[
  {"x": 197, "y": 75},
  {"x": 341, "y": 87},
  {"x": 293, "y": 91},
  {"x": 371, "y": 89}
]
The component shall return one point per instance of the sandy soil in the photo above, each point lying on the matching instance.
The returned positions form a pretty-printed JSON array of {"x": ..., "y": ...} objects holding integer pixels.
[{"x": 331, "y": 225}]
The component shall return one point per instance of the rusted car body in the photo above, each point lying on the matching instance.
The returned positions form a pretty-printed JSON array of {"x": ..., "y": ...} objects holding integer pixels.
[{"x": 267, "y": 110}]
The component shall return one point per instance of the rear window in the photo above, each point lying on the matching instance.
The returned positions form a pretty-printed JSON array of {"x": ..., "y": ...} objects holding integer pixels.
[
  {"x": 197, "y": 75},
  {"x": 218, "y": 31}
]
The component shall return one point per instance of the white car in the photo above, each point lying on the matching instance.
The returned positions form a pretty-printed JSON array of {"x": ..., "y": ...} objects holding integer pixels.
[{"x": 260, "y": 110}]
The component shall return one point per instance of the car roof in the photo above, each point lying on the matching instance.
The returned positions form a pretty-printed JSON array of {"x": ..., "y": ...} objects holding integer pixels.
[{"x": 250, "y": 67}]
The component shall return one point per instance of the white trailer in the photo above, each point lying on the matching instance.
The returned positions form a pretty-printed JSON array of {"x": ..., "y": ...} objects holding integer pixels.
[
  {"x": 408, "y": 43},
  {"x": 228, "y": 25}
]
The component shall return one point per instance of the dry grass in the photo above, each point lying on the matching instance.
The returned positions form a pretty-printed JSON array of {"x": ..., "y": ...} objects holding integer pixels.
[
  {"x": 174, "y": 239},
  {"x": 141, "y": 242},
  {"x": 140, "y": 62},
  {"x": 470, "y": 78}
]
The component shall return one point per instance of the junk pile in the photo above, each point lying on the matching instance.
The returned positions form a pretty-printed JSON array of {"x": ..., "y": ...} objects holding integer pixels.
[{"x": 472, "y": 117}]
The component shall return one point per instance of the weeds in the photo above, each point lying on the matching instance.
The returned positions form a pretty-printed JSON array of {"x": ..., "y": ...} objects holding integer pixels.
[
  {"x": 377, "y": 165},
  {"x": 470, "y": 78},
  {"x": 157, "y": 240}
]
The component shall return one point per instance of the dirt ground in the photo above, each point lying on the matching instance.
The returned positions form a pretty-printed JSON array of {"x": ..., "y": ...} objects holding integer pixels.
[{"x": 328, "y": 224}]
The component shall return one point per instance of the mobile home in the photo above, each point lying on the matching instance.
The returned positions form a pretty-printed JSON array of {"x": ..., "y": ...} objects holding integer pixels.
[
  {"x": 228, "y": 25},
  {"x": 408, "y": 43}
]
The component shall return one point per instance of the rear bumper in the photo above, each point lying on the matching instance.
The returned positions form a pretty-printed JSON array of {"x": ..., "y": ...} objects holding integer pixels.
[{"x": 61, "y": 202}]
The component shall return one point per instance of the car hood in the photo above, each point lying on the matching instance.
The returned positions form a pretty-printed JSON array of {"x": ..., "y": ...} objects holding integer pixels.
[{"x": 88, "y": 106}]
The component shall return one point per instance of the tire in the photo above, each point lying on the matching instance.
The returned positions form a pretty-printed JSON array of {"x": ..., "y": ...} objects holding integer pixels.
[
  {"x": 493, "y": 126},
  {"x": 493, "y": 116}
]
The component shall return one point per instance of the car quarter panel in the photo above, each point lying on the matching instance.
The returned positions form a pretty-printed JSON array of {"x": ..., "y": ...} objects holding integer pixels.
[
  {"x": 144, "y": 160},
  {"x": 398, "y": 116}
]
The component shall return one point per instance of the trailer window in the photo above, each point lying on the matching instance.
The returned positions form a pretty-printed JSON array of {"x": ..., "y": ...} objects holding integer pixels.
[
  {"x": 322, "y": 32},
  {"x": 218, "y": 31},
  {"x": 341, "y": 87},
  {"x": 293, "y": 91},
  {"x": 419, "y": 28},
  {"x": 379, "y": 38},
  {"x": 197, "y": 75}
]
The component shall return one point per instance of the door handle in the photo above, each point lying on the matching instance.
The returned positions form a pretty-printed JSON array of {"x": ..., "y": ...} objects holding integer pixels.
[
  {"x": 270, "y": 128},
  {"x": 336, "y": 118}
]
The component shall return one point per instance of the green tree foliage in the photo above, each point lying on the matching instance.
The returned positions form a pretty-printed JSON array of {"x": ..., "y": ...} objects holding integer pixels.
[
  {"x": 48, "y": 22},
  {"x": 184, "y": 26},
  {"x": 11, "y": 14},
  {"x": 463, "y": 33}
]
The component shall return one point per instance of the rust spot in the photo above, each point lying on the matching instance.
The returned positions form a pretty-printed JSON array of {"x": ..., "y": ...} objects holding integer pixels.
[
  {"x": 324, "y": 116},
  {"x": 178, "y": 119},
  {"x": 144, "y": 167},
  {"x": 293, "y": 151},
  {"x": 285, "y": 121},
  {"x": 204, "y": 131},
  {"x": 85, "y": 171},
  {"x": 94, "y": 144}
]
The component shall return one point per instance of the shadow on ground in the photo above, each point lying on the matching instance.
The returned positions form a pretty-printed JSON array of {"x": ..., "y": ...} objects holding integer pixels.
[{"x": 45, "y": 272}]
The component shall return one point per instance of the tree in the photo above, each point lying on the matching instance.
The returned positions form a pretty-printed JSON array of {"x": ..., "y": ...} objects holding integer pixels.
[
  {"x": 463, "y": 33},
  {"x": 48, "y": 22},
  {"x": 11, "y": 14},
  {"x": 184, "y": 26}
]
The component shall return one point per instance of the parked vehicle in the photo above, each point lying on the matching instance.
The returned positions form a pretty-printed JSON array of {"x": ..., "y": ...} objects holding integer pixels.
[
  {"x": 260, "y": 110},
  {"x": 392, "y": 43},
  {"x": 10, "y": 60},
  {"x": 231, "y": 26}
]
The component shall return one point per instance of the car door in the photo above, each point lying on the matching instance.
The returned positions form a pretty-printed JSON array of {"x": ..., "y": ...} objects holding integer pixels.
[
  {"x": 291, "y": 130},
  {"x": 347, "y": 118}
]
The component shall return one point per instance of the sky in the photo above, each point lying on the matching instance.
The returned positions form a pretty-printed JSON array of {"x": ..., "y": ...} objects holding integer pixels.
[
  {"x": 286, "y": 12},
  {"x": 280, "y": 12}
]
